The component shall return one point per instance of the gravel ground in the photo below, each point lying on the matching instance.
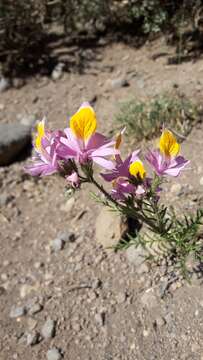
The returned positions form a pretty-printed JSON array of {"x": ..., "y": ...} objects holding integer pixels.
[{"x": 63, "y": 295}]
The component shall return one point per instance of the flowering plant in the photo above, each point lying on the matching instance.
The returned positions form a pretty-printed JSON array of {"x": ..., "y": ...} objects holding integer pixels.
[{"x": 134, "y": 192}]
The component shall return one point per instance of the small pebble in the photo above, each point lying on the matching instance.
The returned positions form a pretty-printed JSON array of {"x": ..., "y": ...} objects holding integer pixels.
[
  {"x": 119, "y": 82},
  {"x": 66, "y": 236},
  {"x": 201, "y": 181},
  {"x": 76, "y": 327},
  {"x": 6, "y": 263},
  {"x": 48, "y": 329},
  {"x": 195, "y": 348},
  {"x": 4, "y": 84},
  {"x": 53, "y": 354},
  {"x": 199, "y": 169},
  {"x": 96, "y": 284},
  {"x": 31, "y": 323},
  {"x": 57, "y": 244},
  {"x": 17, "y": 312},
  {"x": 57, "y": 73},
  {"x": 132, "y": 346},
  {"x": 4, "y": 277},
  {"x": 145, "y": 333},
  {"x": 92, "y": 296},
  {"x": 2, "y": 290},
  {"x": 4, "y": 199},
  {"x": 100, "y": 318},
  {"x": 121, "y": 298},
  {"x": 38, "y": 265},
  {"x": 201, "y": 303},
  {"x": 159, "y": 322},
  {"x": 162, "y": 289},
  {"x": 32, "y": 338},
  {"x": 35, "y": 309}
]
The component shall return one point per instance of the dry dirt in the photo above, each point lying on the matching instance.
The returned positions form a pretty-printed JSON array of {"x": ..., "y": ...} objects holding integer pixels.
[{"x": 102, "y": 307}]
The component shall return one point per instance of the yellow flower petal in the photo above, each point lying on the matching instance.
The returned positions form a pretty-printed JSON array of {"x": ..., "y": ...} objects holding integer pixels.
[
  {"x": 40, "y": 134},
  {"x": 40, "y": 128},
  {"x": 84, "y": 123},
  {"x": 137, "y": 169},
  {"x": 168, "y": 144},
  {"x": 38, "y": 142}
]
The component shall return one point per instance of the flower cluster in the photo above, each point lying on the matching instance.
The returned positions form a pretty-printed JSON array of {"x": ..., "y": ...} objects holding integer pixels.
[
  {"x": 74, "y": 150},
  {"x": 79, "y": 144}
]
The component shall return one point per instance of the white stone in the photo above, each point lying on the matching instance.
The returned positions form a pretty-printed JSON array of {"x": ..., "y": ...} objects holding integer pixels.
[
  {"x": 4, "y": 84},
  {"x": 32, "y": 338},
  {"x": 57, "y": 244},
  {"x": 53, "y": 354},
  {"x": 48, "y": 329}
]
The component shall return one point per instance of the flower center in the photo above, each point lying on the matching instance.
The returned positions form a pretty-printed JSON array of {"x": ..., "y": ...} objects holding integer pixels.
[{"x": 137, "y": 169}]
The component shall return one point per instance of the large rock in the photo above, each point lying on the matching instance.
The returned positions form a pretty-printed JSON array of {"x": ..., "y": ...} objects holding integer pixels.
[
  {"x": 13, "y": 139},
  {"x": 109, "y": 228}
]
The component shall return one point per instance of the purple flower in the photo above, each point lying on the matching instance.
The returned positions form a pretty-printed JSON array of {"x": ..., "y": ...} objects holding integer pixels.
[
  {"x": 121, "y": 188},
  {"x": 45, "y": 162},
  {"x": 162, "y": 165},
  {"x": 82, "y": 143},
  {"x": 121, "y": 178},
  {"x": 166, "y": 160},
  {"x": 121, "y": 168},
  {"x": 73, "y": 180}
]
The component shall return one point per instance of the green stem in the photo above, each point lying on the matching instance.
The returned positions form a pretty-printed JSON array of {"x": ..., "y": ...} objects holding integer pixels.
[
  {"x": 139, "y": 214},
  {"x": 104, "y": 192}
]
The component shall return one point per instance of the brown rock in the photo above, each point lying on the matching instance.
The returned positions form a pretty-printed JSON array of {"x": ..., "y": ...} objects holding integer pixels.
[{"x": 109, "y": 228}]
